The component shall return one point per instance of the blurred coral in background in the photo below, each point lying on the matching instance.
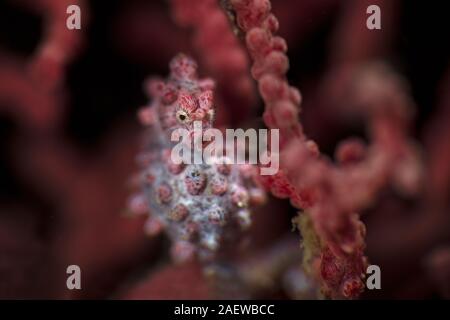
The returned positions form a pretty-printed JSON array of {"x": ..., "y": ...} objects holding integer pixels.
[{"x": 365, "y": 147}]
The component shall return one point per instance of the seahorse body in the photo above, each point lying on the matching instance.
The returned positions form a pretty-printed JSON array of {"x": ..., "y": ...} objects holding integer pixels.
[{"x": 199, "y": 206}]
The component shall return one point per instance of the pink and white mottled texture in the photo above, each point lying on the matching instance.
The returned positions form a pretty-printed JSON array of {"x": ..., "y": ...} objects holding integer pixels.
[
  {"x": 200, "y": 206},
  {"x": 221, "y": 54}
]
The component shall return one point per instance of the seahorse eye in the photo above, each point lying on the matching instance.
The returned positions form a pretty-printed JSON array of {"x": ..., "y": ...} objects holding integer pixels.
[{"x": 182, "y": 116}]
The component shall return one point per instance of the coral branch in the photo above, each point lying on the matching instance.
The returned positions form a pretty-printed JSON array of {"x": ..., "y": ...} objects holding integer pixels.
[
  {"x": 331, "y": 194},
  {"x": 33, "y": 92},
  {"x": 59, "y": 45}
]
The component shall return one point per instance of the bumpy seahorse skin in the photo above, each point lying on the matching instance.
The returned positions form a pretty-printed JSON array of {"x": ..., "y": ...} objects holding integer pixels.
[{"x": 200, "y": 206}]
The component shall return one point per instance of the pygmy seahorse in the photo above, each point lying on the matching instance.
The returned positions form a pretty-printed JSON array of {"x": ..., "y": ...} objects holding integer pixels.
[{"x": 201, "y": 207}]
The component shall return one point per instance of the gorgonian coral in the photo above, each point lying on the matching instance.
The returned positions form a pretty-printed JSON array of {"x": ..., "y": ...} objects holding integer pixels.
[
  {"x": 34, "y": 88},
  {"x": 330, "y": 195}
]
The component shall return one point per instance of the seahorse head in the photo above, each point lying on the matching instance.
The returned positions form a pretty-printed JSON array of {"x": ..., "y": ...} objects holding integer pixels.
[{"x": 182, "y": 98}]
